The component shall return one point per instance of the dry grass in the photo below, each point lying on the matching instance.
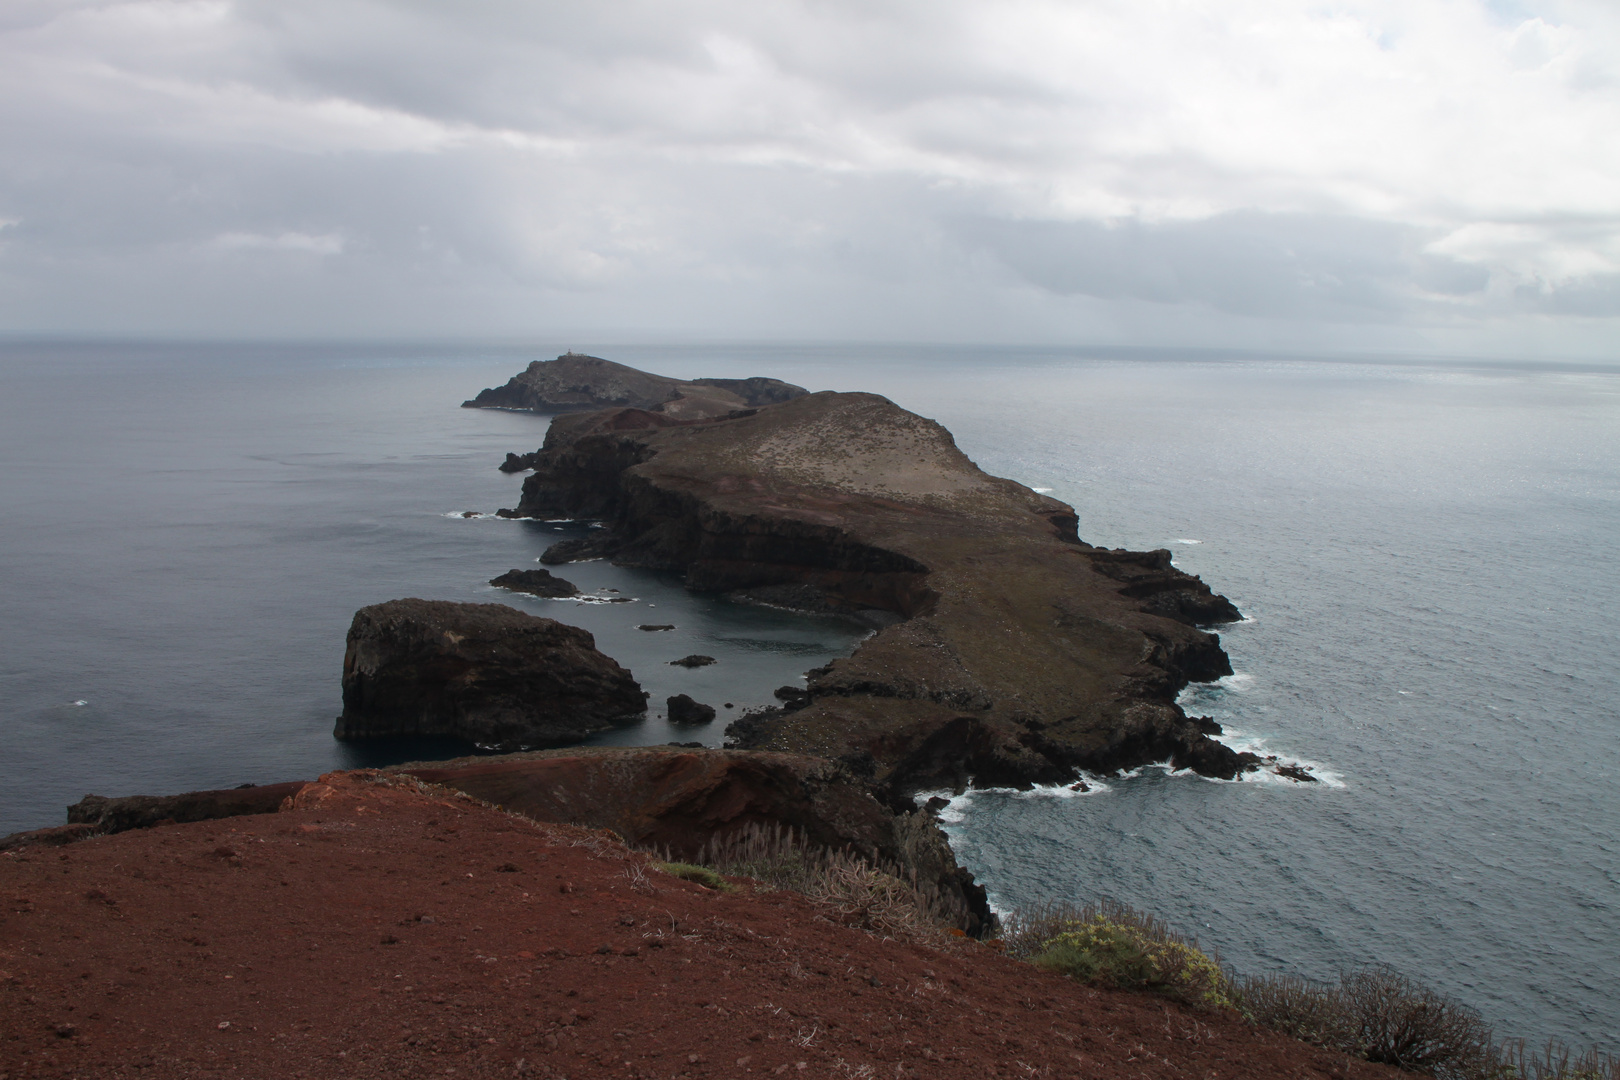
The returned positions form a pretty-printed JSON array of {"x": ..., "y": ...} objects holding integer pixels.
[
  {"x": 1557, "y": 1062},
  {"x": 851, "y": 888}
]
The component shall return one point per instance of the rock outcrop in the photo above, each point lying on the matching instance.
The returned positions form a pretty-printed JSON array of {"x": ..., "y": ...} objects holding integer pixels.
[
  {"x": 576, "y": 383},
  {"x": 535, "y": 583},
  {"x": 684, "y": 709},
  {"x": 482, "y": 672},
  {"x": 106, "y": 815},
  {"x": 1010, "y": 652},
  {"x": 685, "y": 801}
]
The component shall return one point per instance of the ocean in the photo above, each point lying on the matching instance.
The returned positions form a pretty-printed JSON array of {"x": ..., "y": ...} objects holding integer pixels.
[{"x": 1422, "y": 551}]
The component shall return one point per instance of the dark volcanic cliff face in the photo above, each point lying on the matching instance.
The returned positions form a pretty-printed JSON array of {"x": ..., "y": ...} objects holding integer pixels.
[
  {"x": 1021, "y": 654},
  {"x": 576, "y": 383},
  {"x": 482, "y": 672}
]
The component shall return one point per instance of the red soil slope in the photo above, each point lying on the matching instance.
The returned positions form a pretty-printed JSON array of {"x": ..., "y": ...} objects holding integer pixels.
[{"x": 377, "y": 931}]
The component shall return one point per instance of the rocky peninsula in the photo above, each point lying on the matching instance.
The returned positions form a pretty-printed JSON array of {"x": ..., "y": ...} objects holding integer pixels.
[{"x": 1008, "y": 650}]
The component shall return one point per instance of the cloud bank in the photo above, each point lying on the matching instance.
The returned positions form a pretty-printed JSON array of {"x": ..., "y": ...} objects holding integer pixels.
[{"x": 1428, "y": 174}]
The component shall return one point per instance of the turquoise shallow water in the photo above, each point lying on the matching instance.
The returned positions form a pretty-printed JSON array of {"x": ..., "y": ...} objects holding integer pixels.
[{"x": 1424, "y": 552}]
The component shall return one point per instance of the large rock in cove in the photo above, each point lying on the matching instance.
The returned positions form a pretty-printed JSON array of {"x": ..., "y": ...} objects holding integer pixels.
[{"x": 487, "y": 673}]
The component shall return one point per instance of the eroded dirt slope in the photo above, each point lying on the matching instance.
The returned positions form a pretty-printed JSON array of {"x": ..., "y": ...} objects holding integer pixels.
[{"x": 374, "y": 931}]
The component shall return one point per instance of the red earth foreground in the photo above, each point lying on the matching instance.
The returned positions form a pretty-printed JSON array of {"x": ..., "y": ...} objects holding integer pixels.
[{"x": 370, "y": 930}]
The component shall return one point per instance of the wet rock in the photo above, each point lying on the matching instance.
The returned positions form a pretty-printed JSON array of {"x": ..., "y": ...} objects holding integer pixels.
[
  {"x": 577, "y": 550},
  {"x": 1297, "y": 773},
  {"x": 656, "y": 627},
  {"x": 682, "y": 709},
  {"x": 693, "y": 661},
  {"x": 482, "y": 672},
  {"x": 792, "y": 697},
  {"x": 535, "y": 583},
  {"x": 516, "y": 463}
]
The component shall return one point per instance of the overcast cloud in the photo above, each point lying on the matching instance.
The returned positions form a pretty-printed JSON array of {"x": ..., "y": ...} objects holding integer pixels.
[{"x": 1422, "y": 174}]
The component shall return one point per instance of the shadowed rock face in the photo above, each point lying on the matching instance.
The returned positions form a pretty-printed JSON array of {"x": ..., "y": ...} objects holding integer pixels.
[
  {"x": 1010, "y": 651},
  {"x": 683, "y": 800},
  {"x": 482, "y": 672},
  {"x": 574, "y": 383}
]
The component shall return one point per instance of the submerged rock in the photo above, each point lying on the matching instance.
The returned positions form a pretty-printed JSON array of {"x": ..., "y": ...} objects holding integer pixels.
[
  {"x": 535, "y": 583},
  {"x": 482, "y": 672}
]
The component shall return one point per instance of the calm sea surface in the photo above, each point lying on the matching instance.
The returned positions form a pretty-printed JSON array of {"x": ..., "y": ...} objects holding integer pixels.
[{"x": 1426, "y": 554}]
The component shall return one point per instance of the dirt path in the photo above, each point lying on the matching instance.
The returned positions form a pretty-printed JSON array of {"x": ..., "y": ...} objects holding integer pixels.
[{"x": 380, "y": 932}]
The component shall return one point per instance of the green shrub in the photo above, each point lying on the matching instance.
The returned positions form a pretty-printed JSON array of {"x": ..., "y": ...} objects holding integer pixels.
[
  {"x": 1118, "y": 946},
  {"x": 702, "y": 875}
]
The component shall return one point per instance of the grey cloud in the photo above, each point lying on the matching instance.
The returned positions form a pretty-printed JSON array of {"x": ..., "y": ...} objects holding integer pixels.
[
  {"x": 1594, "y": 297},
  {"x": 826, "y": 168},
  {"x": 1281, "y": 266}
]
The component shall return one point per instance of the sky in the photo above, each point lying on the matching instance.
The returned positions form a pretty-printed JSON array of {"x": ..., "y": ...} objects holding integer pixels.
[{"x": 1424, "y": 176}]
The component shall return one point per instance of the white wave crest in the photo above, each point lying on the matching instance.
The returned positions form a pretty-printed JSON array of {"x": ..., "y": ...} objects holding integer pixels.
[
  {"x": 1245, "y": 743},
  {"x": 956, "y": 807}
]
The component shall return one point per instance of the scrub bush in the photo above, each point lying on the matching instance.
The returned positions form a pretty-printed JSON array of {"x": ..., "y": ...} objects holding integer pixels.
[
  {"x": 702, "y": 875},
  {"x": 1118, "y": 946}
]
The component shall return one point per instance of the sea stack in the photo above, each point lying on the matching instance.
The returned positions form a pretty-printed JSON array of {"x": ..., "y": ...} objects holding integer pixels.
[{"x": 486, "y": 673}]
